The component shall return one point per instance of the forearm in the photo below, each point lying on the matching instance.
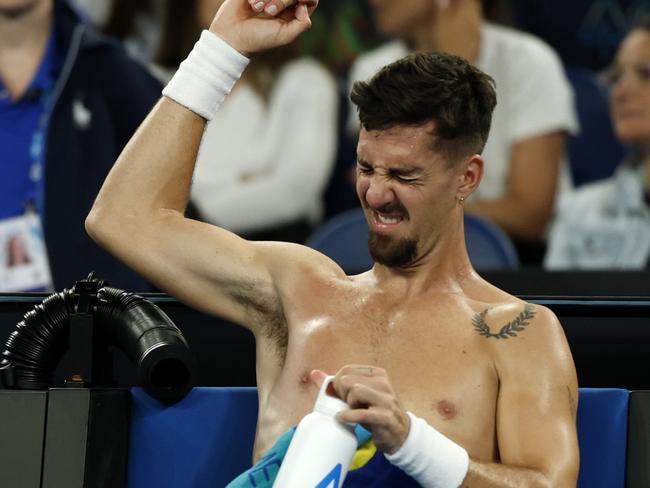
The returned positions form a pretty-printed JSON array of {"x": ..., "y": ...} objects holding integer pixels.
[
  {"x": 435, "y": 461},
  {"x": 494, "y": 475},
  {"x": 155, "y": 169},
  {"x": 153, "y": 174}
]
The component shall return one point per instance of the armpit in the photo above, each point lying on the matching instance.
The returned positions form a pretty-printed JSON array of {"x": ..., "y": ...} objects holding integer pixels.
[{"x": 264, "y": 313}]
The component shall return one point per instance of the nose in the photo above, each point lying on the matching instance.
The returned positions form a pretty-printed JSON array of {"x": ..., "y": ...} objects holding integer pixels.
[{"x": 379, "y": 193}]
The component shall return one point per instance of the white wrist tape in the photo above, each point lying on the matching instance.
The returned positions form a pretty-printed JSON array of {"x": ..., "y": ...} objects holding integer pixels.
[
  {"x": 430, "y": 458},
  {"x": 207, "y": 75}
]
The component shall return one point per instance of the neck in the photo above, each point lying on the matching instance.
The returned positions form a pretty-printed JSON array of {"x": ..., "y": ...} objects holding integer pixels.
[
  {"x": 457, "y": 30},
  {"x": 646, "y": 164},
  {"x": 444, "y": 267},
  {"x": 24, "y": 34}
]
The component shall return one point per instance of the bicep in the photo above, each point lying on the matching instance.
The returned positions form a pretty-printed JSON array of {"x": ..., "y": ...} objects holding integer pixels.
[
  {"x": 536, "y": 410},
  {"x": 204, "y": 266}
]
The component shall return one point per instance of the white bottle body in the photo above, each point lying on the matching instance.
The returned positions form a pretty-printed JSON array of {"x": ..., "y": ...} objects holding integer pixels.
[{"x": 321, "y": 451}]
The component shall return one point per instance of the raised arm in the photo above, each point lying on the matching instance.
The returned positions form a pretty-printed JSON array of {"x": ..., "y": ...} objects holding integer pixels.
[{"x": 138, "y": 214}]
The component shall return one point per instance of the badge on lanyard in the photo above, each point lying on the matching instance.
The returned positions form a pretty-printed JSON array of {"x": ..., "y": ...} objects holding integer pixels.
[{"x": 23, "y": 257}]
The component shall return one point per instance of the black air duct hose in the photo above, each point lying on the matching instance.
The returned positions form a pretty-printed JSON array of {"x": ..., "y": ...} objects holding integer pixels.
[
  {"x": 149, "y": 338},
  {"x": 33, "y": 350},
  {"x": 165, "y": 366}
]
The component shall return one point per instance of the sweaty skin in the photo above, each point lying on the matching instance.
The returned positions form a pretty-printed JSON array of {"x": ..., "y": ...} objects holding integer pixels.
[{"x": 429, "y": 336}]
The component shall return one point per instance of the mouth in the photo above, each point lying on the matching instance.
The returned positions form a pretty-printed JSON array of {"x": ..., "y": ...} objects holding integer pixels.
[{"x": 386, "y": 221}]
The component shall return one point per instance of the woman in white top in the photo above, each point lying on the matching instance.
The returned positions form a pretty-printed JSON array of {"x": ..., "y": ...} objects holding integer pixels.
[
  {"x": 606, "y": 225},
  {"x": 248, "y": 178}
]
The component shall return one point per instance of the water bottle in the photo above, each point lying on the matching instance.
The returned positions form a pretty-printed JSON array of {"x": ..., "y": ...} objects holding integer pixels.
[{"x": 321, "y": 449}]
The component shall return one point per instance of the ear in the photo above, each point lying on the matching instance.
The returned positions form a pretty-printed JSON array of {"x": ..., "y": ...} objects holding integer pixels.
[{"x": 469, "y": 179}]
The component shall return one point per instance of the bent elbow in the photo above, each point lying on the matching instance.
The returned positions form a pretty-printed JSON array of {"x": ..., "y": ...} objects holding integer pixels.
[
  {"x": 94, "y": 225},
  {"x": 102, "y": 222}
]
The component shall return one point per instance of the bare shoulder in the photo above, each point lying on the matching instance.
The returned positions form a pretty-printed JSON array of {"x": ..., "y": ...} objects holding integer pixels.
[
  {"x": 289, "y": 262},
  {"x": 527, "y": 343},
  {"x": 514, "y": 328},
  {"x": 516, "y": 319}
]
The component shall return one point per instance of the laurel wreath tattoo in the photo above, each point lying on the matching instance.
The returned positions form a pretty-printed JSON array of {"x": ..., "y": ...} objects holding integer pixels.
[{"x": 507, "y": 331}]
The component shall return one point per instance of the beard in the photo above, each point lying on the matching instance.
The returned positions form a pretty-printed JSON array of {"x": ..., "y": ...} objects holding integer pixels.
[{"x": 392, "y": 252}]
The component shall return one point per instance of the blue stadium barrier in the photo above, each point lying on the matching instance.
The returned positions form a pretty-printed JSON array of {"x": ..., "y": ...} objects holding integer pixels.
[{"x": 206, "y": 440}]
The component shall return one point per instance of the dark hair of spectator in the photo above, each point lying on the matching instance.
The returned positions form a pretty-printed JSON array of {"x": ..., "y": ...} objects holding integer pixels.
[
  {"x": 121, "y": 20},
  {"x": 425, "y": 87}
]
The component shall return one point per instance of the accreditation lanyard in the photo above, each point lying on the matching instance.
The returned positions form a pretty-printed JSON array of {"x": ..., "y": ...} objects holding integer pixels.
[{"x": 43, "y": 87}]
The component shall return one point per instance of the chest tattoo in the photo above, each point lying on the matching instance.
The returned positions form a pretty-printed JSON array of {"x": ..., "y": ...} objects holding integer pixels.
[{"x": 508, "y": 330}]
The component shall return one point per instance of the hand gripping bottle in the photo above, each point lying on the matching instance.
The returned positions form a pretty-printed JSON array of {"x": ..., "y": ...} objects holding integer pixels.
[{"x": 321, "y": 449}]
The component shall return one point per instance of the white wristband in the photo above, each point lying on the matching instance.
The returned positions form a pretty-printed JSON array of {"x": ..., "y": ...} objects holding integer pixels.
[
  {"x": 207, "y": 75},
  {"x": 430, "y": 458}
]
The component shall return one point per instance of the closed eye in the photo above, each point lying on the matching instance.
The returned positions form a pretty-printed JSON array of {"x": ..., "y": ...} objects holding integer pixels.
[
  {"x": 363, "y": 169},
  {"x": 408, "y": 178},
  {"x": 404, "y": 179}
]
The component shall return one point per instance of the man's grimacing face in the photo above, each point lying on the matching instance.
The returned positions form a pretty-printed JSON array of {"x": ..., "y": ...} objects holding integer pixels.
[{"x": 407, "y": 191}]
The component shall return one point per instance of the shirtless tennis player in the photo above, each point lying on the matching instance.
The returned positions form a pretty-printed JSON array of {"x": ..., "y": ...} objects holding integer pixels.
[{"x": 420, "y": 344}]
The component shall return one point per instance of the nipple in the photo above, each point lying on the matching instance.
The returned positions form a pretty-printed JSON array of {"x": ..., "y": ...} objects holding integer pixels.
[{"x": 447, "y": 409}]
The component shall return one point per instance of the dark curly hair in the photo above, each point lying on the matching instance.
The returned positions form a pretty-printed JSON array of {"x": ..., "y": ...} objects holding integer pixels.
[{"x": 424, "y": 87}]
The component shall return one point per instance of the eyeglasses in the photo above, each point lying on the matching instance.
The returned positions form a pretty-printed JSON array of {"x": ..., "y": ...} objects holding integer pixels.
[{"x": 615, "y": 74}]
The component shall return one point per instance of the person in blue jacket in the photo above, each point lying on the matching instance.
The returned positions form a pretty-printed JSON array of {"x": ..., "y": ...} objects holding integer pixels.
[{"x": 70, "y": 99}]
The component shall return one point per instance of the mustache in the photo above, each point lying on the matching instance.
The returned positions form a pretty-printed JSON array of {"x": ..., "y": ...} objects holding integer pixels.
[{"x": 392, "y": 207}]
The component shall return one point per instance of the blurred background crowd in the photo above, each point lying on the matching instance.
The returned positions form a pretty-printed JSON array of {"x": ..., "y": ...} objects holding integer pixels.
[{"x": 567, "y": 178}]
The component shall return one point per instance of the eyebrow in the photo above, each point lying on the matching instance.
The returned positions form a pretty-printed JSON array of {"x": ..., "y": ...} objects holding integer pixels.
[{"x": 400, "y": 169}]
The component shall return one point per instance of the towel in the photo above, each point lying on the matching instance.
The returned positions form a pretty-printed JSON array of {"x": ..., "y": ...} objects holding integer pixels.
[{"x": 369, "y": 467}]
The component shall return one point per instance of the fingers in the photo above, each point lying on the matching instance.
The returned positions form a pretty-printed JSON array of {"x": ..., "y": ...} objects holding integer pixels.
[
  {"x": 364, "y": 416},
  {"x": 361, "y": 369},
  {"x": 360, "y": 395},
  {"x": 317, "y": 377},
  {"x": 294, "y": 27},
  {"x": 274, "y": 7},
  {"x": 354, "y": 376},
  {"x": 270, "y": 7},
  {"x": 373, "y": 404}
]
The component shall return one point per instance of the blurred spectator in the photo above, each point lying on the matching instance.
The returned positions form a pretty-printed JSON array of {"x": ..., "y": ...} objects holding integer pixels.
[
  {"x": 266, "y": 157},
  {"x": 134, "y": 22},
  {"x": 607, "y": 224},
  {"x": 96, "y": 11},
  {"x": 584, "y": 32},
  {"x": 534, "y": 113},
  {"x": 69, "y": 101},
  {"x": 341, "y": 30},
  {"x": 137, "y": 23}
]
